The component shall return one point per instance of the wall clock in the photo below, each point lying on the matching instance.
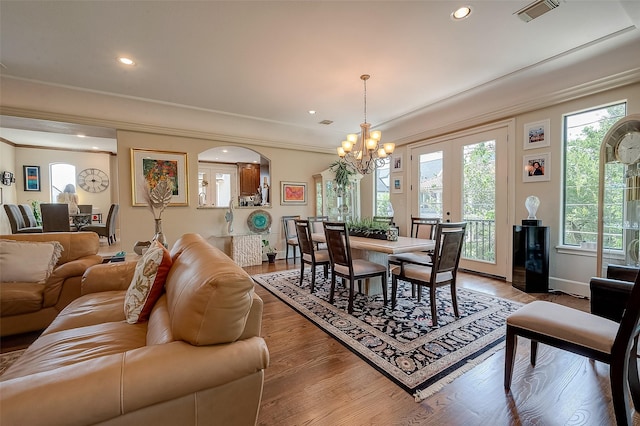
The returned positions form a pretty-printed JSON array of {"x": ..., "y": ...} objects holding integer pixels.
[
  {"x": 627, "y": 149},
  {"x": 93, "y": 180}
]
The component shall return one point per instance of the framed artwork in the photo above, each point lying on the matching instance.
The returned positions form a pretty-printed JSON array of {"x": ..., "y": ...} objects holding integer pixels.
[
  {"x": 396, "y": 162},
  {"x": 536, "y": 168},
  {"x": 31, "y": 178},
  {"x": 537, "y": 134},
  {"x": 293, "y": 193},
  {"x": 396, "y": 185},
  {"x": 148, "y": 166}
]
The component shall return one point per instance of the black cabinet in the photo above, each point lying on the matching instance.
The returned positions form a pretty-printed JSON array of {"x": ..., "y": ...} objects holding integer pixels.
[{"x": 531, "y": 258}]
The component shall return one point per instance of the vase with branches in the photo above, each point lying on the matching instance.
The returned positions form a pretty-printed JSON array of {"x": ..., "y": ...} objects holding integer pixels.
[{"x": 158, "y": 198}]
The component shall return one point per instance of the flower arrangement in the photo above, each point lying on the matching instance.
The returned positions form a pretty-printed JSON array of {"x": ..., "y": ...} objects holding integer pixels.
[{"x": 159, "y": 197}]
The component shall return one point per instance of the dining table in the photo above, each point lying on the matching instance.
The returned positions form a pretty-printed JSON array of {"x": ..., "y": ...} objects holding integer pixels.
[{"x": 378, "y": 251}]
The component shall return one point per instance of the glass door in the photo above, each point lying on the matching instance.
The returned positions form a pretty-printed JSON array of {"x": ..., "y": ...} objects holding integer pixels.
[{"x": 465, "y": 179}]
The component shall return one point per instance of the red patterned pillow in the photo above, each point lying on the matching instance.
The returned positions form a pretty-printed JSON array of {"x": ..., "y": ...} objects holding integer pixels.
[{"x": 147, "y": 284}]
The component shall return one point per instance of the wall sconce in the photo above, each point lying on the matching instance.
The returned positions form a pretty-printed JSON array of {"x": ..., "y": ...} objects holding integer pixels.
[{"x": 7, "y": 178}]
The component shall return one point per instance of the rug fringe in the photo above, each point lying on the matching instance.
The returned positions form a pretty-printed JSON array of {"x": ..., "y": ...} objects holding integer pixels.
[{"x": 422, "y": 394}]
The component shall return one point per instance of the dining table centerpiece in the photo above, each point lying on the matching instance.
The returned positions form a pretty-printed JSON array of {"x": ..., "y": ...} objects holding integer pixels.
[{"x": 368, "y": 228}]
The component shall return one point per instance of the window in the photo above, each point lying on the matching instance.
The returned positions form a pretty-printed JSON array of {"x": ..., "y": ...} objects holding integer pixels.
[
  {"x": 383, "y": 205},
  {"x": 216, "y": 184},
  {"x": 583, "y": 134},
  {"x": 61, "y": 175}
]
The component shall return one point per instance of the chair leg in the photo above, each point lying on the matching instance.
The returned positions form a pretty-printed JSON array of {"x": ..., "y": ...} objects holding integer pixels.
[
  {"x": 333, "y": 287},
  {"x": 534, "y": 352},
  {"x": 313, "y": 275},
  {"x": 384, "y": 288},
  {"x": 351, "y": 291},
  {"x": 302, "y": 275},
  {"x": 432, "y": 298},
  {"x": 454, "y": 300},
  {"x": 618, "y": 373},
  {"x": 394, "y": 288},
  {"x": 286, "y": 252},
  {"x": 509, "y": 356},
  {"x": 326, "y": 270},
  {"x": 634, "y": 380}
]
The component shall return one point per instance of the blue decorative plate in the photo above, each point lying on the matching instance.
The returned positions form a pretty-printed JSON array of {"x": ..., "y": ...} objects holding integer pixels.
[{"x": 259, "y": 221}]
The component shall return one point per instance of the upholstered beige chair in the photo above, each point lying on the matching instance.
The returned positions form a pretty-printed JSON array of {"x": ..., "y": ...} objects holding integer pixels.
[{"x": 290, "y": 237}]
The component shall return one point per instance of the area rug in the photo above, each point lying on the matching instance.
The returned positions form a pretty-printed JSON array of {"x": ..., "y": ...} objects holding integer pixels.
[
  {"x": 402, "y": 343},
  {"x": 7, "y": 359}
]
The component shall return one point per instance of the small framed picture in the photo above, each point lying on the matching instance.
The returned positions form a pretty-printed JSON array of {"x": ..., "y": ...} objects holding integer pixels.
[
  {"x": 396, "y": 163},
  {"x": 536, "y": 134},
  {"x": 293, "y": 193},
  {"x": 396, "y": 185},
  {"x": 31, "y": 178},
  {"x": 536, "y": 168}
]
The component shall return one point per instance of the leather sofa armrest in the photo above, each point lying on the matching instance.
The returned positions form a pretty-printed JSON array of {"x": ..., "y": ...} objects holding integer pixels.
[
  {"x": 622, "y": 272},
  {"x": 108, "y": 277},
  {"x": 609, "y": 297},
  {"x": 74, "y": 268},
  {"x": 254, "y": 321}
]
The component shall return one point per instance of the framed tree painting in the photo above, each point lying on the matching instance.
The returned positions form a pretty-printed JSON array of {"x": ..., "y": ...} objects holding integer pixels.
[{"x": 148, "y": 167}]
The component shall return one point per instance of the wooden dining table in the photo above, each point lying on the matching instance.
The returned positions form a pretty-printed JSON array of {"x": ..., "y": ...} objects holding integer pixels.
[{"x": 378, "y": 251}]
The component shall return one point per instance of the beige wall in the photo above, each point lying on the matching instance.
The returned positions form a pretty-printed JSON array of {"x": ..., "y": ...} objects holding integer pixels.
[
  {"x": 7, "y": 164},
  {"x": 138, "y": 223}
]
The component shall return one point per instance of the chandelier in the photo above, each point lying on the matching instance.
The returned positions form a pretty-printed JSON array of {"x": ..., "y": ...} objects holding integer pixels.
[{"x": 364, "y": 154}]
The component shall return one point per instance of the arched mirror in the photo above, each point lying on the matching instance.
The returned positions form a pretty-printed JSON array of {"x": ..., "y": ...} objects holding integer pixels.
[{"x": 233, "y": 174}]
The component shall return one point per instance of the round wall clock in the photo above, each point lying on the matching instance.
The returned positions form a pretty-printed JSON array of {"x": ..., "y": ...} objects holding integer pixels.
[
  {"x": 93, "y": 180},
  {"x": 628, "y": 148}
]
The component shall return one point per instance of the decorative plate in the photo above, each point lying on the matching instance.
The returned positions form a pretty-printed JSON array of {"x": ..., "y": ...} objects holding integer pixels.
[{"x": 259, "y": 221}]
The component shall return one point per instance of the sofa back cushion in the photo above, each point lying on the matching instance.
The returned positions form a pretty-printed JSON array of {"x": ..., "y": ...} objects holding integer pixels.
[
  {"x": 28, "y": 261},
  {"x": 208, "y": 296},
  {"x": 75, "y": 244}
]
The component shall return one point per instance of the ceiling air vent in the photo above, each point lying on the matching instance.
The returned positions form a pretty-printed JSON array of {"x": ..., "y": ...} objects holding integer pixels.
[
  {"x": 326, "y": 122},
  {"x": 536, "y": 9}
]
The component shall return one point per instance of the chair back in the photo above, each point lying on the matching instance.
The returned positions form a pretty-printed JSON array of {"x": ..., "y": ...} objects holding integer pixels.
[
  {"x": 303, "y": 230},
  {"x": 449, "y": 238},
  {"x": 55, "y": 217},
  {"x": 629, "y": 328},
  {"x": 384, "y": 219},
  {"x": 424, "y": 227},
  {"x": 289, "y": 226},
  {"x": 316, "y": 223},
  {"x": 16, "y": 220},
  {"x": 111, "y": 219},
  {"x": 27, "y": 213},
  {"x": 85, "y": 208},
  {"x": 337, "y": 238}
]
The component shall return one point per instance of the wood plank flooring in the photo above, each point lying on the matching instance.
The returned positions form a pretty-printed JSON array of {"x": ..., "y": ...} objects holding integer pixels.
[{"x": 314, "y": 380}]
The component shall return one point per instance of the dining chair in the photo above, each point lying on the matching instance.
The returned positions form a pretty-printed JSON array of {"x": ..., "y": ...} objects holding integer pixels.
[
  {"x": 585, "y": 334},
  {"x": 28, "y": 215},
  {"x": 440, "y": 271},
  {"x": 107, "y": 229},
  {"x": 345, "y": 266},
  {"x": 317, "y": 227},
  {"x": 85, "y": 208},
  {"x": 421, "y": 227},
  {"x": 17, "y": 222},
  {"x": 290, "y": 237},
  {"x": 384, "y": 219},
  {"x": 55, "y": 217},
  {"x": 308, "y": 252}
]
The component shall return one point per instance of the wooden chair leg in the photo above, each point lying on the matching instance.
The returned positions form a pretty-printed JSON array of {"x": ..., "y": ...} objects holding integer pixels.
[
  {"x": 313, "y": 276},
  {"x": 351, "y": 292},
  {"x": 534, "y": 352},
  {"x": 302, "y": 275},
  {"x": 394, "y": 289},
  {"x": 454, "y": 300},
  {"x": 509, "y": 356},
  {"x": 432, "y": 299},
  {"x": 620, "y": 392},
  {"x": 333, "y": 287},
  {"x": 326, "y": 270},
  {"x": 286, "y": 252},
  {"x": 384, "y": 288},
  {"x": 634, "y": 380}
]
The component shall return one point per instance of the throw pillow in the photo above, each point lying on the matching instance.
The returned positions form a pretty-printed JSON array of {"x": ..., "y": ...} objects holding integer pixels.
[
  {"x": 147, "y": 284},
  {"x": 28, "y": 261}
]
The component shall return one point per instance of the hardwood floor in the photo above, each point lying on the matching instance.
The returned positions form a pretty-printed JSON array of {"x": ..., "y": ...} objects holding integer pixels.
[{"x": 313, "y": 379}]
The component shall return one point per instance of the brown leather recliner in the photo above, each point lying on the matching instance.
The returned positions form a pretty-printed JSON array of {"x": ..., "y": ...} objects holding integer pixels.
[{"x": 31, "y": 306}]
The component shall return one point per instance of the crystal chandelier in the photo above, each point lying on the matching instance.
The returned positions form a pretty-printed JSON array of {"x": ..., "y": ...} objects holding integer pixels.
[{"x": 365, "y": 154}]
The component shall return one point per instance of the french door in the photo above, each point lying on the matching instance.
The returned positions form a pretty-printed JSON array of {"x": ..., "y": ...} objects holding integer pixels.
[{"x": 465, "y": 179}]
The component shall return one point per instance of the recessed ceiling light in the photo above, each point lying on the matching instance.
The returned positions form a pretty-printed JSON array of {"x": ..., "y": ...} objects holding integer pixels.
[
  {"x": 312, "y": 112},
  {"x": 81, "y": 135},
  {"x": 224, "y": 150},
  {"x": 126, "y": 61},
  {"x": 95, "y": 147},
  {"x": 461, "y": 13}
]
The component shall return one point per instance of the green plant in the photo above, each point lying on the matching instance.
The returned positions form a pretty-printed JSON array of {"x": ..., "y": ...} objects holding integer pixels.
[
  {"x": 267, "y": 248},
  {"x": 343, "y": 174},
  {"x": 35, "y": 206},
  {"x": 367, "y": 225}
]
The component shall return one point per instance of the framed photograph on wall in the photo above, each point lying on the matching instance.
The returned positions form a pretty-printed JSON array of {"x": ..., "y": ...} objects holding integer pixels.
[
  {"x": 537, "y": 134},
  {"x": 536, "y": 168},
  {"x": 31, "y": 178},
  {"x": 396, "y": 162},
  {"x": 148, "y": 166},
  {"x": 293, "y": 193},
  {"x": 396, "y": 185}
]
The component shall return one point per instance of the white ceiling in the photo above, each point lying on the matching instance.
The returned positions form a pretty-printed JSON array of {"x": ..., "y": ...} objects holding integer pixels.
[{"x": 269, "y": 62}]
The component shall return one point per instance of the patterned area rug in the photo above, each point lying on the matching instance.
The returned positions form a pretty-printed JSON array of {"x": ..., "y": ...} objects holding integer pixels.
[
  {"x": 402, "y": 343},
  {"x": 7, "y": 359}
]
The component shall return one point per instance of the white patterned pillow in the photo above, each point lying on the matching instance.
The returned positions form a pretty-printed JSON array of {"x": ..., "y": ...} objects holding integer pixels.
[
  {"x": 28, "y": 261},
  {"x": 147, "y": 284}
]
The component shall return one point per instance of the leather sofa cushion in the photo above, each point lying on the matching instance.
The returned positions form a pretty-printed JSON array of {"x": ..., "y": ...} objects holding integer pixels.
[
  {"x": 91, "y": 309},
  {"x": 21, "y": 298},
  {"x": 208, "y": 296},
  {"x": 75, "y": 244},
  {"x": 68, "y": 347},
  {"x": 28, "y": 261}
]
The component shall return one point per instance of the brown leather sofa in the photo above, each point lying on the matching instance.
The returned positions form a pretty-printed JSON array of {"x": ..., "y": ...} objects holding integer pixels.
[
  {"x": 198, "y": 360},
  {"x": 31, "y": 306}
]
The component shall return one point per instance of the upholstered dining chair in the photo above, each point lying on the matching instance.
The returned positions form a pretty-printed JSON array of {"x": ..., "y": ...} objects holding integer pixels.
[
  {"x": 345, "y": 266},
  {"x": 290, "y": 237},
  {"x": 317, "y": 227},
  {"x": 17, "y": 221},
  {"x": 384, "y": 219},
  {"x": 55, "y": 217},
  {"x": 107, "y": 229},
  {"x": 85, "y": 208},
  {"x": 421, "y": 227},
  {"x": 584, "y": 334},
  {"x": 309, "y": 254},
  {"x": 441, "y": 270},
  {"x": 28, "y": 215}
]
